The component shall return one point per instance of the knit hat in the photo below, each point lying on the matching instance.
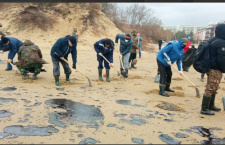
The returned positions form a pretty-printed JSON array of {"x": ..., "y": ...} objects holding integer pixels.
[
  {"x": 5, "y": 40},
  {"x": 107, "y": 42},
  {"x": 127, "y": 36},
  {"x": 188, "y": 37},
  {"x": 185, "y": 40},
  {"x": 72, "y": 40}
]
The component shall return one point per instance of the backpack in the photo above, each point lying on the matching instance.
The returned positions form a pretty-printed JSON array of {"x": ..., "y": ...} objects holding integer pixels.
[{"x": 201, "y": 61}]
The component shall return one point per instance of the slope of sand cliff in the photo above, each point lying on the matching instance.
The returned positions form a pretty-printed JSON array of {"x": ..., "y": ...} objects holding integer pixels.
[{"x": 121, "y": 111}]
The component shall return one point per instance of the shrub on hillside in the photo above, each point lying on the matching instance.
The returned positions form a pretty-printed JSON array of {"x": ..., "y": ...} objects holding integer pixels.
[{"x": 33, "y": 17}]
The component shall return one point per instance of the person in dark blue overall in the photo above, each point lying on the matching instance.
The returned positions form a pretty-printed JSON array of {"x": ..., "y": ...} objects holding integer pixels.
[
  {"x": 13, "y": 44},
  {"x": 60, "y": 51},
  {"x": 104, "y": 47}
]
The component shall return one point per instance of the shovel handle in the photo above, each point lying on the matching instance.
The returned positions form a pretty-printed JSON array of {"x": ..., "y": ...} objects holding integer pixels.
[
  {"x": 72, "y": 66},
  {"x": 121, "y": 62},
  {"x": 184, "y": 77},
  {"x": 108, "y": 62}
]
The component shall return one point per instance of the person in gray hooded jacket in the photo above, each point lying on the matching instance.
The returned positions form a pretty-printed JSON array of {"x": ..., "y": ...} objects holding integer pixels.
[{"x": 125, "y": 47}]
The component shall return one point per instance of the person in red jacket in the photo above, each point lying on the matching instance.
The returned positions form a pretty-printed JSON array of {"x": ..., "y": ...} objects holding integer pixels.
[{"x": 189, "y": 43}]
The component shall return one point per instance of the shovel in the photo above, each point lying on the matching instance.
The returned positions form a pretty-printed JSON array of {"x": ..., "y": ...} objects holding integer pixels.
[
  {"x": 77, "y": 70},
  {"x": 14, "y": 68},
  {"x": 118, "y": 73},
  {"x": 1, "y": 62},
  {"x": 196, "y": 89},
  {"x": 122, "y": 64}
]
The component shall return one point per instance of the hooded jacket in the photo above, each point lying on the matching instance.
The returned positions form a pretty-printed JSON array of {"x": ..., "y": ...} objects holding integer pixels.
[
  {"x": 125, "y": 47},
  {"x": 62, "y": 48},
  {"x": 173, "y": 51},
  {"x": 28, "y": 54},
  {"x": 101, "y": 48},
  {"x": 217, "y": 49}
]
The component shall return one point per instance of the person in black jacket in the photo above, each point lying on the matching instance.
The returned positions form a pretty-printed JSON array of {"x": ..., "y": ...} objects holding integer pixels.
[
  {"x": 214, "y": 76},
  {"x": 160, "y": 43},
  {"x": 60, "y": 51}
]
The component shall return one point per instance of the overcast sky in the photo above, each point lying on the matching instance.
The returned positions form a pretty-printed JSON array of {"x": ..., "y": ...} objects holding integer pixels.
[{"x": 187, "y": 13}]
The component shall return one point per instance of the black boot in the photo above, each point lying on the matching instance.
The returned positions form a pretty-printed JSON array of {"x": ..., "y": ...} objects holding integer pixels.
[
  {"x": 205, "y": 105},
  {"x": 68, "y": 78},
  {"x": 107, "y": 75},
  {"x": 35, "y": 76},
  {"x": 126, "y": 73},
  {"x": 122, "y": 72},
  {"x": 8, "y": 69},
  {"x": 100, "y": 75},
  {"x": 168, "y": 88},
  {"x": 202, "y": 77},
  {"x": 162, "y": 90},
  {"x": 57, "y": 81},
  {"x": 212, "y": 104},
  {"x": 25, "y": 76},
  {"x": 132, "y": 66}
]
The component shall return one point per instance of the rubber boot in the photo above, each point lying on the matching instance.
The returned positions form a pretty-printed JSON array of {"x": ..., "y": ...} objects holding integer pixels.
[
  {"x": 100, "y": 75},
  {"x": 162, "y": 92},
  {"x": 126, "y": 73},
  {"x": 68, "y": 78},
  {"x": 202, "y": 77},
  {"x": 8, "y": 69},
  {"x": 168, "y": 88},
  {"x": 122, "y": 72},
  {"x": 132, "y": 66},
  {"x": 107, "y": 75},
  {"x": 205, "y": 105},
  {"x": 34, "y": 76},
  {"x": 57, "y": 81},
  {"x": 25, "y": 76},
  {"x": 212, "y": 104}
]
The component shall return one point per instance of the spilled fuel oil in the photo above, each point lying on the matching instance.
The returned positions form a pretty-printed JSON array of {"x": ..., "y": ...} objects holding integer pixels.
[
  {"x": 19, "y": 130},
  {"x": 75, "y": 113}
]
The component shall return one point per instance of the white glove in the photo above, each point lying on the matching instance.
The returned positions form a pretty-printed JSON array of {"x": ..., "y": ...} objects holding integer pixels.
[
  {"x": 100, "y": 54},
  {"x": 181, "y": 73},
  {"x": 169, "y": 63},
  {"x": 111, "y": 65}
]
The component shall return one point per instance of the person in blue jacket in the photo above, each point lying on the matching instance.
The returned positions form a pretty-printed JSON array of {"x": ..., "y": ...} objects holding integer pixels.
[
  {"x": 13, "y": 45},
  {"x": 172, "y": 52},
  {"x": 104, "y": 47},
  {"x": 125, "y": 47},
  {"x": 140, "y": 39},
  {"x": 60, "y": 51}
]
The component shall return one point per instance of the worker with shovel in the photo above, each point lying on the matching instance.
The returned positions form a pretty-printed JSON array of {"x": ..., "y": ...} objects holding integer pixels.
[
  {"x": 125, "y": 47},
  {"x": 30, "y": 60},
  {"x": 13, "y": 44},
  {"x": 59, "y": 52},
  {"x": 172, "y": 52},
  {"x": 104, "y": 47}
]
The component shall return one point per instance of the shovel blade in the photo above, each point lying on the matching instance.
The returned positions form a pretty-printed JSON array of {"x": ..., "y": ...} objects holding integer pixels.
[
  {"x": 223, "y": 102},
  {"x": 157, "y": 79},
  {"x": 1, "y": 62},
  {"x": 197, "y": 92},
  {"x": 89, "y": 81}
]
